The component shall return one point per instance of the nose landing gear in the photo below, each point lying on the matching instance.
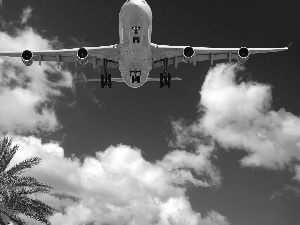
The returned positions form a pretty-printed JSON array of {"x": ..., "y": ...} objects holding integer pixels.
[{"x": 135, "y": 77}]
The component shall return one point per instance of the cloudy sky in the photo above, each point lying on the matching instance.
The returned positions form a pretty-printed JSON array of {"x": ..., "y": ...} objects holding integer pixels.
[{"x": 220, "y": 147}]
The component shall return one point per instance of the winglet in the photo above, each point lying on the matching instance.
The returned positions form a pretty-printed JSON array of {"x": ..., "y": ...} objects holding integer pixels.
[{"x": 289, "y": 45}]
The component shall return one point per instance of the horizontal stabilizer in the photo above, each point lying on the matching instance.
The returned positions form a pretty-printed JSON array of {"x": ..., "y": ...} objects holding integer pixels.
[
  {"x": 117, "y": 79},
  {"x": 112, "y": 79},
  {"x": 158, "y": 79}
]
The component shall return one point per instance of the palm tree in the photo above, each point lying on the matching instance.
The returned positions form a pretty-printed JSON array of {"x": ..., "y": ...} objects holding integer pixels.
[{"x": 14, "y": 187}]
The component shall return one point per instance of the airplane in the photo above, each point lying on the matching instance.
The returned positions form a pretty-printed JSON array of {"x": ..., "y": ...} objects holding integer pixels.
[{"x": 136, "y": 55}]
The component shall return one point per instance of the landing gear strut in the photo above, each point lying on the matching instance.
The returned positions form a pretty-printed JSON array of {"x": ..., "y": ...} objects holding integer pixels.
[
  {"x": 165, "y": 77},
  {"x": 105, "y": 78}
]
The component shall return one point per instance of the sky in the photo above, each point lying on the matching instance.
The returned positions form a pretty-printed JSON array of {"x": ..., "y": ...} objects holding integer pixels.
[{"x": 220, "y": 147}]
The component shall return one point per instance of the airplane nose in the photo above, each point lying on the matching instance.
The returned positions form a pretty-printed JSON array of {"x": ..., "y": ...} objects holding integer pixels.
[
  {"x": 136, "y": 3},
  {"x": 136, "y": 12}
]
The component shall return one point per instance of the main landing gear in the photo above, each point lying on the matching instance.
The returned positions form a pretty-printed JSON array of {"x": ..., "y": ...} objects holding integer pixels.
[
  {"x": 165, "y": 77},
  {"x": 105, "y": 78}
]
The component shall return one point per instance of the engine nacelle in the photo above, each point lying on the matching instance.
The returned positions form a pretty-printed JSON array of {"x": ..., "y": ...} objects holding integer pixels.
[
  {"x": 27, "y": 57},
  {"x": 243, "y": 55},
  {"x": 82, "y": 56},
  {"x": 188, "y": 54}
]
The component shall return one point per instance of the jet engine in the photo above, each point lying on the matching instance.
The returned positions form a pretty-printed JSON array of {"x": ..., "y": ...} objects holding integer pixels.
[
  {"x": 82, "y": 56},
  {"x": 27, "y": 57},
  {"x": 243, "y": 55},
  {"x": 188, "y": 54}
]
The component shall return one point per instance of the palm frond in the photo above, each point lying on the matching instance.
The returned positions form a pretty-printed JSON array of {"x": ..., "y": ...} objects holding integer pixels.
[
  {"x": 11, "y": 215},
  {"x": 22, "y": 166},
  {"x": 65, "y": 196},
  {"x": 6, "y": 152},
  {"x": 32, "y": 190},
  {"x": 34, "y": 209},
  {"x": 14, "y": 187},
  {"x": 3, "y": 211},
  {"x": 16, "y": 219},
  {"x": 28, "y": 186},
  {"x": 2, "y": 222},
  {"x": 19, "y": 181}
]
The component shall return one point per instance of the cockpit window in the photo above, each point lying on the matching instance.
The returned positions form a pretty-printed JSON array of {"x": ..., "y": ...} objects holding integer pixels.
[{"x": 136, "y": 29}]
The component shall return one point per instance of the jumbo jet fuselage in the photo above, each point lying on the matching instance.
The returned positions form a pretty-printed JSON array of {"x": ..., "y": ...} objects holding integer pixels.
[{"x": 135, "y": 27}]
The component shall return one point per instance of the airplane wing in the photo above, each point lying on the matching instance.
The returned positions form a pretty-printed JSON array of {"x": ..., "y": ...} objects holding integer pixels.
[
  {"x": 95, "y": 56},
  {"x": 175, "y": 54}
]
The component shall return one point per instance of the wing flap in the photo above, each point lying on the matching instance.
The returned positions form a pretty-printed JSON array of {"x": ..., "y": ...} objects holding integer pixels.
[
  {"x": 160, "y": 63},
  {"x": 53, "y": 58},
  {"x": 205, "y": 57},
  {"x": 200, "y": 57}
]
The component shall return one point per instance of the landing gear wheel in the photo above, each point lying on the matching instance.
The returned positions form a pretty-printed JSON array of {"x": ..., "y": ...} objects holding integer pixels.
[
  {"x": 169, "y": 80},
  {"x": 161, "y": 78},
  {"x": 109, "y": 80},
  {"x": 102, "y": 81},
  {"x": 132, "y": 79},
  {"x": 138, "y": 79}
]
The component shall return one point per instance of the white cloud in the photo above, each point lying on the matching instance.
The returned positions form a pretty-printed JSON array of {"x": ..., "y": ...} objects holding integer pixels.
[
  {"x": 119, "y": 186},
  {"x": 26, "y": 14},
  {"x": 214, "y": 217},
  {"x": 239, "y": 116},
  {"x": 287, "y": 190},
  {"x": 25, "y": 92},
  {"x": 297, "y": 171},
  {"x": 198, "y": 161}
]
